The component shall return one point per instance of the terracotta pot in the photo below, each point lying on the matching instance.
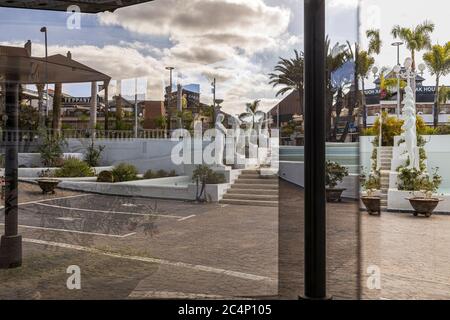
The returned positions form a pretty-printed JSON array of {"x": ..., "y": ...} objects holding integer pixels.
[
  {"x": 372, "y": 204},
  {"x": 48, "y": 185},
  {"x": 424, "y": 206},
  {"x": 334, "y": 195}
]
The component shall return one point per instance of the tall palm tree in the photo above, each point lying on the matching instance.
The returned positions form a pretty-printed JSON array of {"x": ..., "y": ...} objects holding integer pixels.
[
  {"x": 438, "y": 62},
  {"x": 253, "y": 106},
  {"x": 336, "y": 58},
  {"x": 364, "y": 66},
  {"x": 40, "y": 89},
  {"x": 375, "y": 42},
  {"x": 416, "y": 39},
  {"x": 289, "y": 74},
  {"x": 57, "y": 97}
]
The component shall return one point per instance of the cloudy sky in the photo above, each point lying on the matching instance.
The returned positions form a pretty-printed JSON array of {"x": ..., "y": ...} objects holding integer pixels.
[{"x": 236, "y": 41}]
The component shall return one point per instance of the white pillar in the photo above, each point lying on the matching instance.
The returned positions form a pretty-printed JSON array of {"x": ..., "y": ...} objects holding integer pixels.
[{"x": 93, "y": 112}]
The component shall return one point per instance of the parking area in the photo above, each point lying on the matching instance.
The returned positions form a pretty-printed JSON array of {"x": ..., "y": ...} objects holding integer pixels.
[{"x": 148, "y": 248}]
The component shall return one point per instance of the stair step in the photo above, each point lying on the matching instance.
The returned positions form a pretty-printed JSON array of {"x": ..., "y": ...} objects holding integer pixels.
[
  {"x": 262, "y": 197},
  {"x": 256, "y": 176},
  {"x": 250, "y": 202},
  {"x": 256, "y": 181},
  {"x": 255, "y": 186},
  {"x": 236, "y": 190},
  {"x": 250, "y": 171}
]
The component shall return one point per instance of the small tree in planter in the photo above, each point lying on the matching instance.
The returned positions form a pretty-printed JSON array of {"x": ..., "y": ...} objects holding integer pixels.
[
  {"x": 93, "y": 154},
  {"x": 371, "y": 184},
  {"x": 413, "y": 180},
  {"x": 334, "y": 174},
  {"x": 51, "y": 149},
  {"x": 204, "y": 175}
]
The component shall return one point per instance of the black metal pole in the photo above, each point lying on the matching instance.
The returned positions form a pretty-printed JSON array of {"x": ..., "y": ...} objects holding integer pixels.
[
  {"x": 11, "y": 241},
  {"x": 315, "y": 197}
]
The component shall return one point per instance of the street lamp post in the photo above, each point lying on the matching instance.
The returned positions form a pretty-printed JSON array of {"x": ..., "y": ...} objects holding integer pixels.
[
  {"x": 408, "y": 74},
  {"x": 398, "y": 44},
  {"x": 44, "y": 30},
  {"x": 135, "y": 109},
  {"x": 170, "y": 79}
]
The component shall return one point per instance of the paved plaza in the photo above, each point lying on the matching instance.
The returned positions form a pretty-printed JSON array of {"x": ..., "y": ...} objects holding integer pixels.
[{"x": 148, "y": 248}]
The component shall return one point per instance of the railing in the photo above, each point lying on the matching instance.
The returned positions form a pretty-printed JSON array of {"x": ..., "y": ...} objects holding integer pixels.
[{"x": 29, "y": 136}]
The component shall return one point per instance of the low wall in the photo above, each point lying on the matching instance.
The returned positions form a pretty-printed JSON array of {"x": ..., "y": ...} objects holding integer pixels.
[
  {"x": 35, "y": 172},
  {"x": 293, "y": 172},
  {"x": 397, "y": 201},
  {"x": 176, "y": 188}
]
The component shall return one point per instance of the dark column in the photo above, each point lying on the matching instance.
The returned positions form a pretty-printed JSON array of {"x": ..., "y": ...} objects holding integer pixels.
[
  {"x": 11, "y": 242},
  {"x": 315, "y": 199}
]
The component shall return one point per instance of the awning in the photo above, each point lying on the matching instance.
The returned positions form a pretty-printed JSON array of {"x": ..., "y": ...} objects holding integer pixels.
[
  {"x": 16, "y": 65},
  {"x": 87, "y": 6}
]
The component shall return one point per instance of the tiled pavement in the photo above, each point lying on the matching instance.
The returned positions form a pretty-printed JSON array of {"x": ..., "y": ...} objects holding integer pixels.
[{"x": 215, "y": 251}]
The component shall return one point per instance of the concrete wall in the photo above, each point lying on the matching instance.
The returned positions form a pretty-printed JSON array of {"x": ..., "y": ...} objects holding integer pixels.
[
  {"x": 145, "y": 154},
  {"x": 365, "y": 152},
  {"x": 177, "y": 188}
]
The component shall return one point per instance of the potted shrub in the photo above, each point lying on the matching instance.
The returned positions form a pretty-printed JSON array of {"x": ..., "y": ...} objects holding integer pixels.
[
  {"x": 105, "y": 176},
  {"x": 334, "y": 174},
  {"x": 46, "y": 182},
  {"x": 426, "y": 204},
  {"x": 370, "y": 200}
]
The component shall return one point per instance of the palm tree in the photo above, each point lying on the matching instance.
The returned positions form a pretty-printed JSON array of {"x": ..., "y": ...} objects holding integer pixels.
[
  {"x": 375, "y": 42},
  {"x": 416, "y": 39},
  {"x": 253, "y": 106},
  {"x": 161, "y": 122},
  {"x": 444, "y": 94},
  {"x": 364, "y": 66},
  {"x": 40, "y": 89},
  {"x": 56, "y": 114},
  {"x": 438, "y": 62},
  {"x": 289, "y": 74},
  {"x": 336, "y": 57}
]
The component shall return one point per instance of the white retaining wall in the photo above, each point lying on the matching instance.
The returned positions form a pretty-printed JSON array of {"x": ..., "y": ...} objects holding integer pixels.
[
  {"x": 177, "y": 188},
  {"x": 145, "y": 154}
]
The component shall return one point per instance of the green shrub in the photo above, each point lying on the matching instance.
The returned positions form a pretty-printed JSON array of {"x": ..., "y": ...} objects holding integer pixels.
[
  {"x": 443, "y": 130},
  {"x": 206, "y": 175},
  {"x": 203, "y": 175},
  {"x": 368, "y": 132},
  {"x": 415, "y": 180},
  {"x": 334, "y": 173},
  {"x": 125, "y": 172},
  {"x": 172, "y": 173},
  {"x": 105, "y": 176},
  {"x": 93, "y": 154},
  {"x": 73, "y": 168},
  {"x": 149, "y": 174},
  {"x": 51, "y": 149}
]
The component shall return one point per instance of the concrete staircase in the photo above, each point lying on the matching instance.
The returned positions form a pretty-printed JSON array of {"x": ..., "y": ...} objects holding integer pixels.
[
  {"x": 385, "y": 169},
  {"x": 252, "y": 189}
]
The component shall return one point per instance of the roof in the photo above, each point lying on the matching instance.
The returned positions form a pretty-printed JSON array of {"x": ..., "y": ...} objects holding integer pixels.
[
  {"x": 17, "y": 64},
  {"x": 291, "y": 104},
  {"x": 393, "y": 75},
  {"x": 86, "y": 6}
]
